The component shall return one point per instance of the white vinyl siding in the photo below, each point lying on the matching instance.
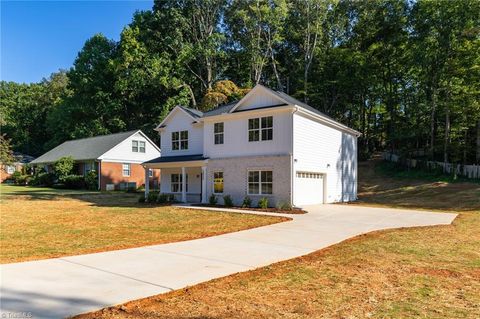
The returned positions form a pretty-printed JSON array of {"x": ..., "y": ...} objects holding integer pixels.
[
  {"x": 327, "y": 150},
  {"x": 123, "y": 152},
  {"x": 179, "y": 121},
  {"x": 236, "y": 138}
]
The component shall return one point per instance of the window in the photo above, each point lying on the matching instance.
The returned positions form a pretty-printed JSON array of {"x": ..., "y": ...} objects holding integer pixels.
[
  {"x": 218, "y": 133},
  {"x": 141, "y": 147},
  {"x": 260, "y": 182},
  {"x": 150, "y": 172},
  {"x": 180, "y": 140},
  {"x": 260, "y": 129},
  {"x": 126, "y": 169},
  {"x": 10, "y": 169},
  {"x": 138, "y": 146},
  {"x": 87, "y": 167},
  {"x": 218, "y": 182},
  {"x": 176, "y": 183}
]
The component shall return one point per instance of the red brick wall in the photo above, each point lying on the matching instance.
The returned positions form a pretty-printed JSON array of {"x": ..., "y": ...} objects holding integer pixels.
[{"x": 111, "y": 173}]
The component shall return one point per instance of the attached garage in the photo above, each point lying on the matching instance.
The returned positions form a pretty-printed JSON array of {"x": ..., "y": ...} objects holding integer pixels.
[{"x": 309, "y": 188}]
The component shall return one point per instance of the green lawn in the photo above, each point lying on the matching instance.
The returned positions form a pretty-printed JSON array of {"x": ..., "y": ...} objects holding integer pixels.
[
  {"x": 426, "y": 272},
  {"x": 10, "y": 190},
  {"x": 39, "y": 223}
]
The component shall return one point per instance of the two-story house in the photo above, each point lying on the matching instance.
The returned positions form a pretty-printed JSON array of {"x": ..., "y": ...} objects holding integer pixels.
[{"x": 268, "y": 144}]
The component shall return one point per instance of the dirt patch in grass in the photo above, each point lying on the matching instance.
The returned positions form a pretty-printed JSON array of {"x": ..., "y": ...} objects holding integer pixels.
[
  {"x": 424, "y": 272},
  {"x": 46, "y": 227}
]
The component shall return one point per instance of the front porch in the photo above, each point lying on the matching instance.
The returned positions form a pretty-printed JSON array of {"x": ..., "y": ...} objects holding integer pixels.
[{"x": 184, "y": 177}]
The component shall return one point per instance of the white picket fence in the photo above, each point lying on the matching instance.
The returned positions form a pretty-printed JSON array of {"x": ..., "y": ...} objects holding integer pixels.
[{"x": 468, "y": 171}]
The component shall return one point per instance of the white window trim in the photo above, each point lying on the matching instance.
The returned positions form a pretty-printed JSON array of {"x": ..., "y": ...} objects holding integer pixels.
[
  {"x": 222, "y": 133},
  {"x": 260, "y": 129},
  {"x": 11, "y": 169},
  {"x": 180, "y": 140},
  {"x": 150, "y": 172},
  {"x": 213, "y": 182},
  {"x": 140, "y": 146},
  {"x": 180, "y": 183},
  {"x": 259, "y": 182},
  {"x": 129, "y": 169},
  {"x": 133, "y": 146}
]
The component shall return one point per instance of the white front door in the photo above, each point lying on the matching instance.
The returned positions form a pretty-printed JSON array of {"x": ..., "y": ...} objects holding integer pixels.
[{"x": 308, "y": 188}]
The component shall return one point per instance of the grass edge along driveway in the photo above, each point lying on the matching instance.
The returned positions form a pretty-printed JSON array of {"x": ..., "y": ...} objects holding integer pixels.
[{"x": 46, "y": 223}]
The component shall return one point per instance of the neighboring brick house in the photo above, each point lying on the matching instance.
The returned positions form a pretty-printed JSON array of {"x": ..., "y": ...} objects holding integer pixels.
[
  {"x": 117, "y": 157},
  {"x": 20, "y": 160}
]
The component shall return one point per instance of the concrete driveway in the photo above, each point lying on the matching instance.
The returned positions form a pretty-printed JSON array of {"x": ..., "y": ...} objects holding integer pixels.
[{"x": 60, "y": 287}]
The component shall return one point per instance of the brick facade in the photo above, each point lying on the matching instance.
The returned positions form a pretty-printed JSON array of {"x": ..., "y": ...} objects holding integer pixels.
[
  {"x": 3, "y": 171},
  {"x": 112, "y": 173}
]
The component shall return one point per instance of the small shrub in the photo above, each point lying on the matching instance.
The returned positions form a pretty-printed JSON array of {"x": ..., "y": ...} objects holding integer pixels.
[
  {"x": 24, "y": 180},
  {"x": 284, "y": 205},
  {"x": 43, "y": 179},
  {"x": 263, "y": 202},
  {"x": 163, "y": 198},
  {"x": 227, "y": 201},
  {"x": 74, "y": 181},
  {"x": 142, "y": 199},
  {"x": 151, "y": 197},
  {"x": 91, "y": 180},
  {"x": 212, "y": 199},
  {"x": 15, "y": 176},
  {"x": 63, "y": 167},
  {"x": 247, "y": 202}
]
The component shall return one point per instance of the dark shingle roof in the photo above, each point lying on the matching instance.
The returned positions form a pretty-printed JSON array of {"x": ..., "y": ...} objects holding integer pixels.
[
  {"x": 182, "y": 158},
  {"x": 84, "y": 149},
  {"x": 225, "y": 108},
  {"x": 192, "y": 112}
]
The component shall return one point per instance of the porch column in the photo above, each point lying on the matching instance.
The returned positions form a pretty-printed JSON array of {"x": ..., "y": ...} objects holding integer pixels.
[
  {"x": 147, "y": 182},
  {"x": 204, "y": 184},
  {"x": 184, "y": 186}
]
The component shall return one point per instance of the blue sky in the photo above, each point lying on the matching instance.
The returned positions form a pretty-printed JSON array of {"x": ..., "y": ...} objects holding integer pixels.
[{"x": 40, "y": 37}]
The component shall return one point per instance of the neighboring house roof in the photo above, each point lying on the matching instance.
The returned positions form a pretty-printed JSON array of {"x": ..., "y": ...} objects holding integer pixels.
[
  {"x": 182, "y": 158},
  {"x": 22, "y": 158},
  {"x": 86, "y": 148}
]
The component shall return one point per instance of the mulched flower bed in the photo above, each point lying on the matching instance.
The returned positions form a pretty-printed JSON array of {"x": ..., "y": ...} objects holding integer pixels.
[{"x": 266, "y": 210}]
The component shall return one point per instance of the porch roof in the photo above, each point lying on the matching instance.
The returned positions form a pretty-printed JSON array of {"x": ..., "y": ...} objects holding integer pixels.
[{"x": 173, "y": 159}]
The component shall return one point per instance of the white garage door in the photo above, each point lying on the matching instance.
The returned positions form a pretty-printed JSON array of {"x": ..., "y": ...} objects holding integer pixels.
[{"x": 308, "y": 188}]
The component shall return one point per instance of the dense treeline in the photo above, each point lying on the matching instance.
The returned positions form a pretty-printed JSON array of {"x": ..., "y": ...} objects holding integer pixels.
[{"x": 404, "y": 73}]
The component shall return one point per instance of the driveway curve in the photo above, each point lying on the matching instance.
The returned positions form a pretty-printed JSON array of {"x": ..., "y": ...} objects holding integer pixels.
[{"x": 60, "y": 287}]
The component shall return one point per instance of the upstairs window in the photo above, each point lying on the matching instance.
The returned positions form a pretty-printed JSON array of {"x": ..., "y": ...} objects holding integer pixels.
[
  {"x": 218, "y": 133},
  {"x": 141, "y": 147},
  {"x": 260, "y": 129},
  {"x": 135, "y": 146},
  {"x": 180, "y": 140},
  {"x": 138, "y": 146}
]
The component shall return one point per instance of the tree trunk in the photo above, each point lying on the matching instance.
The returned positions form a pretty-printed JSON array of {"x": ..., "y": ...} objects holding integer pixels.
[
  {"x": 478, "y": 141},
  {"x": 432, "y": 123},
  {"x": 447, "y": 136}
]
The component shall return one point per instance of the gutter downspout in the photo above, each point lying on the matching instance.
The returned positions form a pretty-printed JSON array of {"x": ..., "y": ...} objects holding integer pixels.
[
  {"x": 292, "y": 159},
  {"x": 99, "y": 175}
]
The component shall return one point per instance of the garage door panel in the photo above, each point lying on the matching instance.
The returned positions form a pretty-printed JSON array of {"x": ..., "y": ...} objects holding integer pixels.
[{"x": 308, "y": 188}]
